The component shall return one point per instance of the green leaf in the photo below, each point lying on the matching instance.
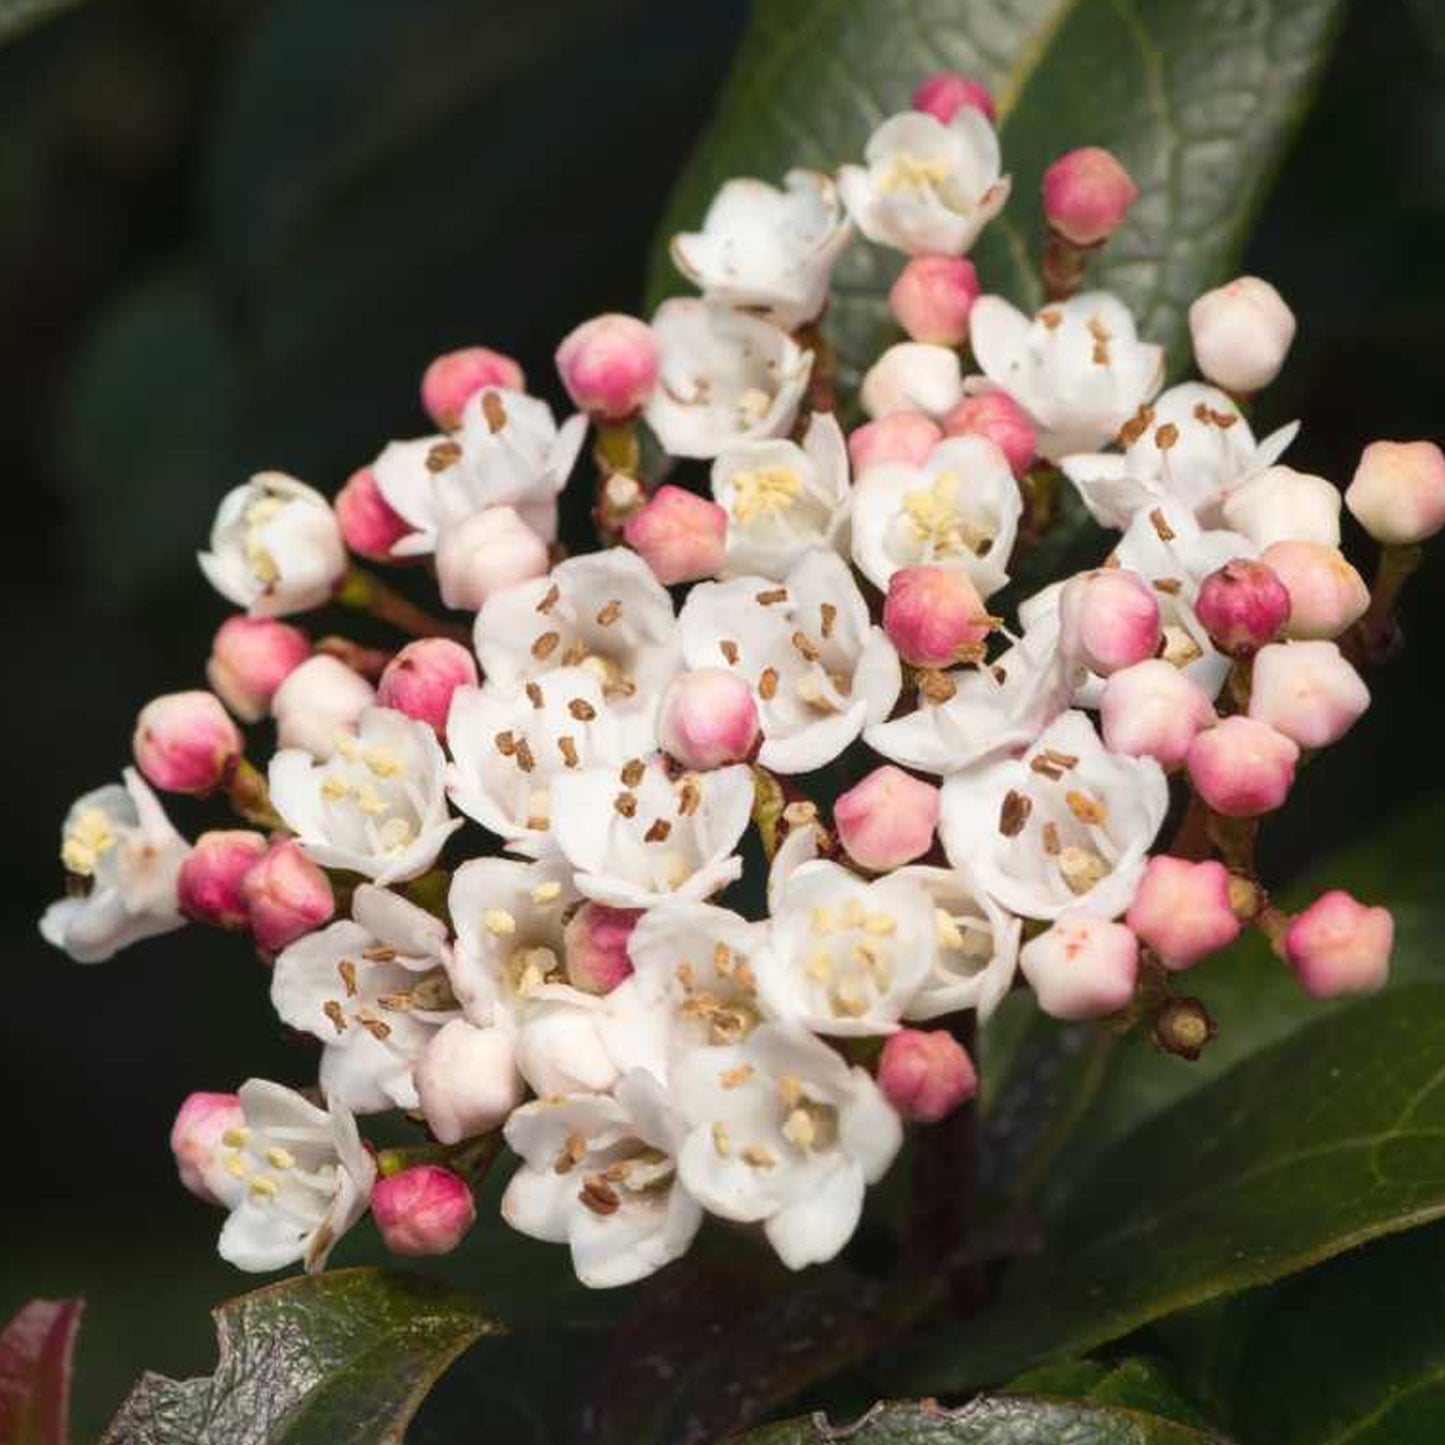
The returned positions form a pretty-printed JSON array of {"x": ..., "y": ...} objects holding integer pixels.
[
  {"x": 1198, "y": 105},
  {"x": 1334, "y": 1137},
  {"x": 1016, "y": 1420},
  {"x": 342, "y": 1358},
  {"x": 18, "y": 16},
  {"x": 36, "y": 1350},
  {"x": 1132, "y": 1384}
]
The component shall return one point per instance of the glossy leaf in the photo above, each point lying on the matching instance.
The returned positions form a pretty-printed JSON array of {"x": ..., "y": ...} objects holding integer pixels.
[
  {"x": 18, "y": 16},
  {"x": 342, "y": 1358},
  {"x": 1132, "y": 1384},
  {"x": 36, "y": 1350}
]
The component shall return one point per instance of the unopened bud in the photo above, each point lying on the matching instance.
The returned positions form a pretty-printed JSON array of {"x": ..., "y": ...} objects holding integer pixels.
[
  {"x": 1183, "y": 910},
  {"x": 888, "y": 819},
  {"x": 609, "y": 365},
  {"x": 1398, "y": 492},
  {"x": 422, "y": 1210},
  {"x": 420, "y": 680},
  {"x": 455, "y": 377},
  {"x": 466, "y": 1080},
  {"x": 1339, "y": 945},
  {"x": 926, "y": 1074},
  {"x": 934, "y": 615},
  {"x": 1243, "y": 605},
  {"x": 1307, "y": 691},
  {"x": 321, "y": 698},
  {"x": 369, "y": 526},
  {"x": 287, "y": 896},
  {"x": 1280, "y": 504},
  {"x": 1084, "y": 967},
  {"x": 1184, "y": 1028},
  {"x": 210, "y": 883},
  {"x": 681, "y": 536},
  {"x": 486, "y": 553},
  {"x": 945, "y": 93},
  {"x": 708, "y": 719},
  {"x": 932, "y": 297},
  {"x": 596, "y": 939},
  {"x": 186, "y": 742},
  {"x": 913, "y": 376},
  {"x": 250, "y": 658},
  {"x": 1242, "y": 333},
  {"x": 1087, "y": 195},
  {"x": 1153, "y": 710},
  {"x": 1327, "y": 595},
  {"x": 1109, "y": 620},
  {"x": 996, "y": 417},
  {"x": 901, "y": 436},
  {"x": 1242, "y": 768},
  {"x": 197, "y": 1141}
]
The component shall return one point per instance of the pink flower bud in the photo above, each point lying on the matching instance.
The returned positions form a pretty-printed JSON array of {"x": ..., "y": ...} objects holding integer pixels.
[
  {"x": 887, "y": 819},
  {"x": 196, "y": 1140},
  {"x": 1084, "y": 967},
  {"x": 946, "y": 93},
  {"x": 1338, "y": 946},
  {"x": 186, "y": 743},
  {"x": 1153, "y": 710},
  {"x": 250, "y": 658},
  {"x": 932, "y": 297},
  {"x": 455, "y": 377},
  {"x": 1243, "y": 605},
  {"x": 934, "y": 615},
  {"x": 287, "y": 896},
  {"x": 609, "y": 365},
  {"x": 1109, "y": 620},
  {"x": 1281, "y": 504},
  {"x": 1087, "y": 195},
  {"x": 368, "y": 524},
  {"x": 422, "y": 677},
  {"x": 1398, "y": 491},
  {"x": 926, "y": 1074},
  {"x": 1182, "y": 910},
  {"x": 997, "y": 417},
  {"x": 422, "y": 1210},
  {"x": 1242, "y": 333},
  {"x": 1242, "y": 768},
  {"x": 321, "y": 698},
  {"x": 210, "y": 882},
  {"x": 708, "y": 718},
  {"x": 1307, "y": 691},
  {"x": 467, "y": 1080},
  {"x": 486, "y": 553},
  {"x": 680, "y": 535},
  {"x": 901, "y": 436},
  {"x": 596, "y": 938},
  {"x": 1326, "y": 595},
  {"x": 913, "y": 376}
]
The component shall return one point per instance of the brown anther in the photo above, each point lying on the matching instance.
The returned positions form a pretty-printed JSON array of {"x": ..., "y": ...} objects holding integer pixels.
[
  {"x": 396, "y": 1003},
  {"x": 379, "y": 953},
  {"x": 1053, "y": 844},
  {"x": 346, "y": 967},
  {"x": 1085, "y": 808},
  {"x": 332, "y": 1009},
  {"x": 574, "y": 1147},
  {"x": 722, "y": 959},
  {"x": 506, "y": 743},
  {"x": 1059, "y": 759},
  {"x": 768, "y": 684},
  {"x": 494, "y": 412},
  {"x": 689, "y": 795},
  {"x": 1136, "y": 426},
  {"x": 633, "y": 772},
  {"x": 546, "y": 645},
  {"x": 1224, "y": 419},
  {"x": 374, "y": 1026},
  {"x": 442, "y": 456},
  {"x": 657, "y": 831},
  {"x": 1014, "y": 813},
  {"x": 575, "y": 655},
  {"x": 759, "y": 1157},
  {"x": 609, "y": 613},
  {"x": 568, "y": 748},
  {"x": 550, "y": 600},
  {"x": 534, "y": 695},
  {"x": 1166, "y": 436},
  {"x": 936, "y": 686},
  {"x": 1051, "y": 318},
  {"x": 626, "y": 804},
  {"x": 1170, "y": 586},
  {"x": 1162, "y": 529},
  {"x": 581, "y": 709},
  {"x": 734, "y": 1078},
  {"x": 600, "y": 1198},
  {"x": 805, "y": 647},
  {"x": 1183, "y": 1027},
  {"x": 1046, "y": 768},
  {"x": 729, "y": 650},
  {"x": 772, "y": 595},
  {"x": 829, "y": 615},
  {"x": 525, "y": 760}
]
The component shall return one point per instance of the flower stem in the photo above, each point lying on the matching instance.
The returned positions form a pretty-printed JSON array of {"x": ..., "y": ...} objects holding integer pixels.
[
  {"x": 1376, "y": 635},
  {"x": 620, "y": 491},
  {"x": 365, "y": 592},
  {"x": 250, "y": 796},
  {"x": 822, "y": 389},
  {"x": 370, "y": 662}
]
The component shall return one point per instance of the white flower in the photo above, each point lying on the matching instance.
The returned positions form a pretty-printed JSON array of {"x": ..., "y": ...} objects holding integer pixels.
[
  {"x": 301, "y": 1177},
  {"x": 1283, "y": 505},
  {"x": 122, "y": 849},
  {"x": 374, "y": 990},
  {"x": 507, "y": 747},
  {"x": 319, "y": 699},
  {"x": 509, "y": 452},
  {"x": 605, "y": 612},
  {"x": 927, "y": 187},
  {"x": 377, "y": 806},
  {"x": 768, "y": 250},
  {"x": 783, "y": 499},
  {"x": 913, "y": 376},
  {"x": 1078, "y": 367},
  {"x": 600, "y": 1175},
  {"x": 844, "y": 956},
  {"x": 960, "y": 509},
  {"x": 636, "y": 836},
  {"x": 726, "y": 377},
  {"x": 276, "y": 547},
  {"x": 784, "y": 1132},
  {"x": 977, "y": 947},
  {"x": 1191, "y": 445},
  {"x": 1067, "y": 824},
  {"x": 820, "y": 671}
]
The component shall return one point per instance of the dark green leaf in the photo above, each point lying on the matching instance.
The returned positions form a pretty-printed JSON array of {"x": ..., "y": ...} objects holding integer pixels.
[
  {"x": 1132, "y": 1384},
  {"x": 36, "y": 1348},
  {"x": 18, "y": 16},
  {"x": 342, "y": 1358}
]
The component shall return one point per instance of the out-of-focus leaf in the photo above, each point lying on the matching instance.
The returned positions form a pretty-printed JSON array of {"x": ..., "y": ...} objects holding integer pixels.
[
  {"x": 36, "y": 1351},
  {"x": 1132, "y": 1384},
  {"x": 342, "y": 1358},
  {"x": 18, "y": 16}
]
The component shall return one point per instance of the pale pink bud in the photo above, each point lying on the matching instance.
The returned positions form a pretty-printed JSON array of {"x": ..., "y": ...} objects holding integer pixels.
[
  {"x": 368, "y": 524},
  {"x": 887, "y": 819},
  {"x": 926, "y": 1074},
  {"x": 901, "y": 436},
  {"x": 1109, "y": 620},
  {"x": 422, "y": 677},
  {"x": 486, "y": 553},
  {"x": 287, "y": 896},
  {"x": 1153, "y": 710},
  {"x": 422, "y": 1210},
  {"x": 1084, "y": 967},
  {"x": 209, "y": 885},
  {"x": 1326, "y": 595},
  {"x": 945, "y": 93},
  {"x": 197, "y": 1138},
  {"x": 186, "y": 742},
  {"x": 609, "y": 365},
  {"x": 1087, "y": 195},
  {"x": 1339, "y": 945},
  {"x": 1281, "y": 504},
  {"x": 680, "y": 535},
  {"x": 934, "y": 615},
  {"x": 1242, "y": 768},
  {"x": 1182, "y": 910},
  {"x": 467, "y": 1081},
  {"x": 932, "y": 297},
  {"x": 1398, "y": 491},
  {"x": 708, "y": 718},
  {"x": 1242, "y": 605},
  {"x": 1242, "y": 333},
  {"x": 913, "y": 376},
  {"x": 996, "y": 417},
  {"x": 596, "y": 939},
  {"x": 455, "y": 377},
  {"x": 1307, "y": 691},
  {"x": 321, "y": 698},
  {"x": 250, "y": 658}
]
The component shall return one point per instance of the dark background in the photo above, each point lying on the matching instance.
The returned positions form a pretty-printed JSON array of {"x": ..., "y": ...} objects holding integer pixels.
[{"x": 231, "y": 236}]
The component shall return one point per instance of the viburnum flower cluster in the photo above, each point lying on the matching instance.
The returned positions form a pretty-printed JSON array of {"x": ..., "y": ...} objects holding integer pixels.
[{"x": 497, "y": 871}]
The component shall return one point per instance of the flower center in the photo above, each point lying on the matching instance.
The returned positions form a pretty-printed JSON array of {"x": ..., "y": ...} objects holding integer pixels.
[
  {"x": 85, "y": 840},
  {"x": 852, "y": 958},
  {"x": 939, "y": 525},
  {"x": 764, "y": 493},
  {"x": 370, "y": 782},
  {"x": 913, "y": 173},
  {"x": 258, "y": 515}
]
